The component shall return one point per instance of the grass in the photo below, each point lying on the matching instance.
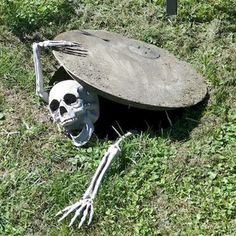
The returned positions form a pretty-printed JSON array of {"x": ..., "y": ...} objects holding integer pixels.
[{"x": 179, "y": 182}]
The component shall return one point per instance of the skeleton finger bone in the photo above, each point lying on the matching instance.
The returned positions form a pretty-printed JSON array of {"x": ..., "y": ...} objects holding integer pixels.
[
  {"x": 78, "y": 212},
  {"x": 63, "y": 211},
  {"x": 91, "y": 215},
  {"x": 84, "y": 216},
  {"x": 68, "y": 210}
]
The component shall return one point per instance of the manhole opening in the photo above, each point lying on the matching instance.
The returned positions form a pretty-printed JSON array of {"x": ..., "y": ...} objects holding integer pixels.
[{"x": 124, "y": 118}]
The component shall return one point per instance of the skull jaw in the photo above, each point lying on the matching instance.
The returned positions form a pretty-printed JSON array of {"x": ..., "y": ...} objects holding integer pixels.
[
  {"x": 79, "y": 126},
  {"x": 84, "y": 134}
]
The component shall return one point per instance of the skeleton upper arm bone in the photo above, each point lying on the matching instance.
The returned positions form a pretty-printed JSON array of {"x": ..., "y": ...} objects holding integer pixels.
[{"x": 38, "y": 72}]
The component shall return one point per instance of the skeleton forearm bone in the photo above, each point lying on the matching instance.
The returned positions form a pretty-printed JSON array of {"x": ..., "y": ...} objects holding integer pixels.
[
  {"x": 86, "y": 203},
  {"x": 38, "y": 64}
]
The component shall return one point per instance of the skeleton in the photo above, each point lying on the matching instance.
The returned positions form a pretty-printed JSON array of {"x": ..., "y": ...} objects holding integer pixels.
[
  {"x": 125, "y": 70},
  {"x": 76, "y": 109}
]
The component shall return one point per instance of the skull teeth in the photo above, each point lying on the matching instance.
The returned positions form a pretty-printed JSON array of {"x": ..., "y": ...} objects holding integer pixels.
[{"x": 69, "y": 120}]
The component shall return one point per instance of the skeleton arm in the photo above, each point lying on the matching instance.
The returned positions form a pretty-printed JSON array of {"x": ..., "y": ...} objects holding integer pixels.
[
  {"x": 85, "y": 205},
  {"x": 38, "y": 64}
]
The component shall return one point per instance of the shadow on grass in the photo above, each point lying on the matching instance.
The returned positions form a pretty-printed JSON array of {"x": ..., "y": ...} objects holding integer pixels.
[{"x": 190, "y": 119}]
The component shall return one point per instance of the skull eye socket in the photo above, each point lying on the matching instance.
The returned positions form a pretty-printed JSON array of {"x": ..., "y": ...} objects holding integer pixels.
[
  {"x": 69, "y": 98},
  {"x": 54, "y": 105}
]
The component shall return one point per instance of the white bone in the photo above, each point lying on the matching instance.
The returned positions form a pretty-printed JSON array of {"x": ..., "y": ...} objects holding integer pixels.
[
  {"x": 84, "y": 216},
  {"x": 38, "y": 72},
  {"x": 91, "y": 214}
]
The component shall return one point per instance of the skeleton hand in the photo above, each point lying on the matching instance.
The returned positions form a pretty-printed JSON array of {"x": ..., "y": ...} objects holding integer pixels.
[{"x": 85, "y": 206}]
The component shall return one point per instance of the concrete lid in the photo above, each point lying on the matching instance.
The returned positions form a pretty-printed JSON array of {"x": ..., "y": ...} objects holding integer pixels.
[{"x": 131, "y": 72}]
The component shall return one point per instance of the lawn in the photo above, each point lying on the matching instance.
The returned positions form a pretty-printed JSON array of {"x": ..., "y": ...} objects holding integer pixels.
[{"x": 178, "y": 180}]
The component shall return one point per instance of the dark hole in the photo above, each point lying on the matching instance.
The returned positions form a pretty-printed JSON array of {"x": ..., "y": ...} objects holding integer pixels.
[
  {"x": 75, "y": 132},
  {"x": 54, "y": 105},
  {"x": 69, "y": 98},
  {"x": 63, "y": 110},
  {"x": 124, "y": 118},
  {"x": 59, "y": 75}
]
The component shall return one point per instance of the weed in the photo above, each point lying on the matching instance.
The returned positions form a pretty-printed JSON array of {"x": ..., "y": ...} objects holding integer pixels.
[{"x": 27, "y": 16}]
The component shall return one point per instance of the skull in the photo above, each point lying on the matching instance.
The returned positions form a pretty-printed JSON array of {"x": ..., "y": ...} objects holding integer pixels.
[{"x": 75, "y": 108}]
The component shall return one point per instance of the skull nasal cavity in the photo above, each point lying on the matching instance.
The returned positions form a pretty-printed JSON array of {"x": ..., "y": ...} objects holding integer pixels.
[{"x": 62, "y": 111}]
